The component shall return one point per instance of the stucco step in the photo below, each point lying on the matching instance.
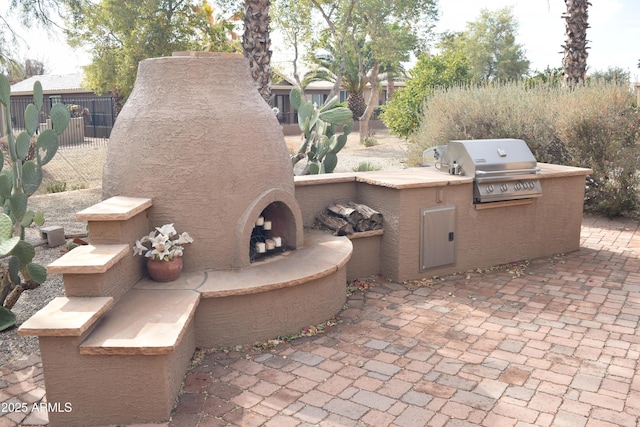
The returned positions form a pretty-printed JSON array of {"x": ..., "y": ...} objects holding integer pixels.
[
  {"x": 117, "y": 208},
  {"x": 143, "y": 322},
  {"x": 89, "y": 259},
  {"x": 66, "y": 317}
]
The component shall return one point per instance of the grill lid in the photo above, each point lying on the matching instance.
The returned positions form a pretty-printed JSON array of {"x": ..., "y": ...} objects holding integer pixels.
[
  {"x": 491, "y": 157},
  {"x": 503, "y": 169}
]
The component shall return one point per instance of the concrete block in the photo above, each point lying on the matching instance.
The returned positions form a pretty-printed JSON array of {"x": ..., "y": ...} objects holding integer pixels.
[{"x": 54, "y": 235}]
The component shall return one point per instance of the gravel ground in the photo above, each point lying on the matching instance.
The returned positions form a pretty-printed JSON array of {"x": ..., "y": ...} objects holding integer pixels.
[
  {"x": 83, "y": 165},
  {"x": 59, "y": 209}
]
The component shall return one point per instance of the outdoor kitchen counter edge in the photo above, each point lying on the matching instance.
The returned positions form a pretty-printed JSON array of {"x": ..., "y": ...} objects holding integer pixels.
[
  {"x": 398, "y": 179},
  {"x": 420, "y": 177},
  {"x": 548, "y": 170}
]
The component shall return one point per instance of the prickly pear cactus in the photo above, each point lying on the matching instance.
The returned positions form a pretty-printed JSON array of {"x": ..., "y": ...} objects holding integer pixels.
[
  {"x": 17, "y": 183},
  {"x": 320, "y": 142}
]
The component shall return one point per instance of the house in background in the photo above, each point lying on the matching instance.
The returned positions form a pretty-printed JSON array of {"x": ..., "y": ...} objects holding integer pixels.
[
  {"x": 317, "y": 92},
  {"x": 97, "y": 112},
  {"x": 99, "y": 115}
]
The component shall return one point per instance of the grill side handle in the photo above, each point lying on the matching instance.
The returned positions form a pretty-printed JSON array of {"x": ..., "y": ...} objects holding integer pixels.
[{"x": 507, "y": 171}]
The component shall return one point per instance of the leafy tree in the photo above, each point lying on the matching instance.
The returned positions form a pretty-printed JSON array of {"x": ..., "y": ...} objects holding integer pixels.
[
  {"x": 293, "y": 19},
  {"x": 28, "y": 13},
  {"x": 403, "y": 113},
  {"x": 390, "y": 28},
  {"x": 123, "y": 33},
  {"x": 575, "y": 47},
  {"x": 612, "y": 74},
  {"x": 550, "y": 76},
  {"x": 490, "y": 44}
]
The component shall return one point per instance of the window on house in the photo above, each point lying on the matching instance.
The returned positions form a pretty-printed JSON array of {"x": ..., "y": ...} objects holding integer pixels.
[
  {"x": 343, "y": 95},
  {"x": 318, "y": 98},
  {"x": 56, "y": 99}
]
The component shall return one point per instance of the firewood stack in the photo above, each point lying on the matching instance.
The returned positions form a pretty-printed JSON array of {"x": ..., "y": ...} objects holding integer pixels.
[{"x": 349, "y": 218}]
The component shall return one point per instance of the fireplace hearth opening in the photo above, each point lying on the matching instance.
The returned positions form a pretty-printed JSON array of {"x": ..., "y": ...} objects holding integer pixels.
[{"x": 271, "y": 232}]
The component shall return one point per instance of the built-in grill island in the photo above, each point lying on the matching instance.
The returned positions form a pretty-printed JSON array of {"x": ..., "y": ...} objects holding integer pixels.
[{"x": 503, "y": 169}]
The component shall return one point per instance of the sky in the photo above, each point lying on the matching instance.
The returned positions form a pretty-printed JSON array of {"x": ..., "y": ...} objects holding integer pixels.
[{"x": 614, "y": 34}]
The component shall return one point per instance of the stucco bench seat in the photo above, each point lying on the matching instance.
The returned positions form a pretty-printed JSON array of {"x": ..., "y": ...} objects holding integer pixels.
[
  {"x": 136, "y": 355},
  {"x": 149, "y": 322},
  {"x": 275, "y": 296},
  {"x": 321, "y": 255}
]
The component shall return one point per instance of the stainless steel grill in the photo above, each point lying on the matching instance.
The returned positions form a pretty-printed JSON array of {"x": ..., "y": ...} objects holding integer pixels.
[{"x": 503, "y": 169}]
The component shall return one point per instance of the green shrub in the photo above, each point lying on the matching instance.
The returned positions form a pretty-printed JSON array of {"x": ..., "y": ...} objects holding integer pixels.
[
  {"x": 367, "y": 167},
  {"x": 79, "y": 186},
  {"x": 56, "y": 186},
  {"x": 370, "y": 141},
  {"x": 402, "y": 113},
  {"x": 594, "y": 126}
]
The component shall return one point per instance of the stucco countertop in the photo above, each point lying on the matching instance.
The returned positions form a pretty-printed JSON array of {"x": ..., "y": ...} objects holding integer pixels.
[
  {"x": 399, "y": 179},
  {"x": 548, "y": 170},
  {"x": 421, "y": 177}
]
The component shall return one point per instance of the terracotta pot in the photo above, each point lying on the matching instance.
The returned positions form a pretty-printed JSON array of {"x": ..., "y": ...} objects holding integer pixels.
[{"x": 164, "y": 271}]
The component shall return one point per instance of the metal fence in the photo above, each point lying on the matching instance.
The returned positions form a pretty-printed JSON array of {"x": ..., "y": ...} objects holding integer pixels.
[{"x": 92, "y": 118}]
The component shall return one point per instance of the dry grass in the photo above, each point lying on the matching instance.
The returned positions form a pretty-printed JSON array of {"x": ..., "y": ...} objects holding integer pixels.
[{"x": 594, "y": 126}]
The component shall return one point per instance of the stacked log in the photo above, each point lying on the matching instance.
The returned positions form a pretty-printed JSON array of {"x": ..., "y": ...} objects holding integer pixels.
[{"x": 349, "y": 218}]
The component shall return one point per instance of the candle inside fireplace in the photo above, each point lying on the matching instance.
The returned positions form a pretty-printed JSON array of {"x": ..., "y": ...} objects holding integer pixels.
[
  {"x": 267, "y": 225},
  {"x": 277, "y": 241},
  {"x": 260, "y": 221},
  {"x": 261, "y": 247}
]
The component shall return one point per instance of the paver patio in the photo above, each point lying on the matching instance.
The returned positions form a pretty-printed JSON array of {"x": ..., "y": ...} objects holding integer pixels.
[{"x": 550, "y": 342}]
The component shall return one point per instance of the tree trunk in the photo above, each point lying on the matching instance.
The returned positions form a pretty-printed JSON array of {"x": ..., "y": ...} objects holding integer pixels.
[
  {"x": 256, "y": 44},
  {"x": 357, "y": 104},
  {"x": 575, "y": 48},
  {"x": 373, "y": 102},
  {"x": 391, "y": 87}
]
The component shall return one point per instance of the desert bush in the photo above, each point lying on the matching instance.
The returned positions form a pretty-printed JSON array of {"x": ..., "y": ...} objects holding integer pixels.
[
  {"x": 367, "y": 167},
  {"x": 594, "y": 126},
  {"x": 56, "y": 187}
]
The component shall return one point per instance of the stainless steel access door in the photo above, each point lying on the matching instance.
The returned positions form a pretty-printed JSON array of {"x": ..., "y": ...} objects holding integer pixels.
[{"x": 438, "y": 237}]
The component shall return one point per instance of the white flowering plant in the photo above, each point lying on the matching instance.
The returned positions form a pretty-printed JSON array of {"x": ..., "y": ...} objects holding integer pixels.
[{"x": 165, "y": 243}]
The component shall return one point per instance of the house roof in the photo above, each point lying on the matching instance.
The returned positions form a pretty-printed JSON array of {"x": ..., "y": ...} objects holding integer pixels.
[{"x": 51, "y": 84}]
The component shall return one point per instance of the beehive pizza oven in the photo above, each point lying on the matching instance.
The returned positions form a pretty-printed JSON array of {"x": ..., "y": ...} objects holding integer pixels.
[{"x": 197, "y": 138}]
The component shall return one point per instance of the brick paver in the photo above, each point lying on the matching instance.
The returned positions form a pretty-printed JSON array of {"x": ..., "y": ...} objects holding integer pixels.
[{"x": 555, "y": 344}]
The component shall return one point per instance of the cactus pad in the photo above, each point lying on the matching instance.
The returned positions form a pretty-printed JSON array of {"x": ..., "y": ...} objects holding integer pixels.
[
  {"x": 47, "y": 145},
  {"x": 37, "y": 272},
  {"x": 31, "y": 177},
  {"x": 60, "y": 117},
  {"x": 22, "y": 145},
  {"x": 31, "y": 119},
  {"x": 37, "y": 95},
  {"x": 5, "y": 90},
  {"x": 24, "y": 251}
]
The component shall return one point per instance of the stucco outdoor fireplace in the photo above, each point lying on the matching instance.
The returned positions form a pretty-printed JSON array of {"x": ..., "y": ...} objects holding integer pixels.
[{"x": 215, "y": 168}]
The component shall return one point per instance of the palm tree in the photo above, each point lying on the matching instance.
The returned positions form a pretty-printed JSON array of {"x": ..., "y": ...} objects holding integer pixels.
[
  {"x": 256, "y": 44},
  {"x": 329, "y": 68},
  {"x": 575, "y": 48}
]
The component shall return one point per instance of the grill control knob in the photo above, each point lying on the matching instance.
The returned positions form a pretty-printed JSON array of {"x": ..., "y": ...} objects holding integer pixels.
[
  {"x": 518, "y": 186},
  {"x": 504, "y": 187},
  {"x": 490, "y": 188}
]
